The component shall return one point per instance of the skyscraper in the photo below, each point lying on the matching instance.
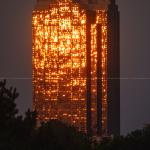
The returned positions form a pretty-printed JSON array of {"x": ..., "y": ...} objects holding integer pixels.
[{"x": 76, "y": 65}]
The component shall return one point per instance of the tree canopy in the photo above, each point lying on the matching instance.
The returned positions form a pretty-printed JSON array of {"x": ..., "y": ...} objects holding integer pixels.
[{"x": 22, "y": 133}]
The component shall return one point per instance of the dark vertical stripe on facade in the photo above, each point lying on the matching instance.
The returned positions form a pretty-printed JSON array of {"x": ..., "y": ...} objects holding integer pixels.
[
  {"x": 99, "y": 80},
  {"x": 113, "y": 70},
  {"x": 88, "y": 80}
]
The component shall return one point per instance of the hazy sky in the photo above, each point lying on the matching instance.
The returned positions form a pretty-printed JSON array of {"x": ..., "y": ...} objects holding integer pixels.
[{"x": 16, "y": 56}]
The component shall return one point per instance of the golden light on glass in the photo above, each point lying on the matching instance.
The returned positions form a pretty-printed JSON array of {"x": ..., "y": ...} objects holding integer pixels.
[{"x": 59, "y": 63}]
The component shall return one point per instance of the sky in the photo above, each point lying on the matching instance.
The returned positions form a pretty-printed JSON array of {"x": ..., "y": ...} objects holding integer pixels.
[{"x": 16, "y": 56}]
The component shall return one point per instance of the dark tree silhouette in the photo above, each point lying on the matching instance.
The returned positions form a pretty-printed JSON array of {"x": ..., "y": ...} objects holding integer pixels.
[
  {"x": 56, "y": 135},
  {"x": 8, "y": 113},
  {"x": 136, "y": 140},
  {"x": 15, "y": 131},
  {"x": 8, "y": 108},
  {"x": 21, "y": 133}
]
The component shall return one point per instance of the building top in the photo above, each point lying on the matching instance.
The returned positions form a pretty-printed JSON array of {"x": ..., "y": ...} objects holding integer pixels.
[{"x": 88, "y": 4}]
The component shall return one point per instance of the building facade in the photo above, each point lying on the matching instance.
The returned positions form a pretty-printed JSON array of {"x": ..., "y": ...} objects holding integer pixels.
[{"x": 76, "y": 66}]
